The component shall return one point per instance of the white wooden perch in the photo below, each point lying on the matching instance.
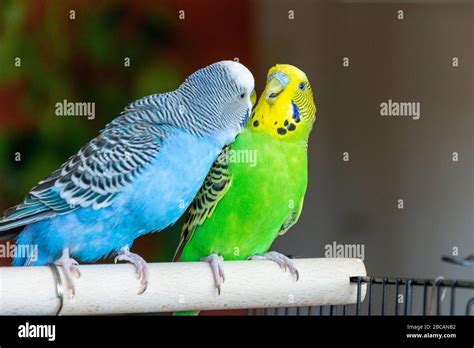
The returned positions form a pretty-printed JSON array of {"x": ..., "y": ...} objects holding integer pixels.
[{"x": 112, "y": 289}]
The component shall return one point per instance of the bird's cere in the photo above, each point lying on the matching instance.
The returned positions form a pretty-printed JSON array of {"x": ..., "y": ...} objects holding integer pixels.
[{"x": 280, "y": 76}]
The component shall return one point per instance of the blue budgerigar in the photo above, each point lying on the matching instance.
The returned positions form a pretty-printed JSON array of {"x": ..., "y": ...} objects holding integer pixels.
[{"x": 137, "y": 176}]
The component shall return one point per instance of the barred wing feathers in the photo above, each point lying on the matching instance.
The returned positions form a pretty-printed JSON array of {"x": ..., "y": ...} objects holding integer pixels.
[
  {"x": 214, "y": 188},
  {"x": 93, "y": 176}
]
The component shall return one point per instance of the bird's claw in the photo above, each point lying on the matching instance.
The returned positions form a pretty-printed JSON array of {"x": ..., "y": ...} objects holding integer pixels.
[
  {"x": 217, "y": 267},
  {"x": 140, "y": 264},
  {"x": 70, "y": 269},
  {"x": 283, "y": 261}
]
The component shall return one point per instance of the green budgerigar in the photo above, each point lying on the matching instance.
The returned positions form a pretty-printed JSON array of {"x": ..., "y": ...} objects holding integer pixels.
[{"x": 254, "y": 191}]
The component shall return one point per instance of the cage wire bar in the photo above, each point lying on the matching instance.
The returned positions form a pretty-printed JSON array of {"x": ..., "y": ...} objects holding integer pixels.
[
  {"x": 430, "y": 289},
  {"x": 433, "y": 293}
]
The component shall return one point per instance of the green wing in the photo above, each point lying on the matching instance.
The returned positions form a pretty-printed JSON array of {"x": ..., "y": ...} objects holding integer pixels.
[
  {"x": 292, "y": 219},
  {"x": 214, "y": 188}
]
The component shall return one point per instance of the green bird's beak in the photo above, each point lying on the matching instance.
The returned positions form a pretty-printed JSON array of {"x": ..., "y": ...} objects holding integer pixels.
[{"x": 276, "y": 83}]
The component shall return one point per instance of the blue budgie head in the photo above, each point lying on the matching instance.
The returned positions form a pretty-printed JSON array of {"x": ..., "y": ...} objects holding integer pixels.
[{"x": 218, "y": 99}]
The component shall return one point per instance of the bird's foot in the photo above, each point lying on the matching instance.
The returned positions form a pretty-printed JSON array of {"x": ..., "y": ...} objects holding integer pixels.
[
  {"x": 69, "y": 266},
  {"x": 143, "y": 272},
  {"x": 217, "y": 267},
  {"x": 283, "y": 261}
]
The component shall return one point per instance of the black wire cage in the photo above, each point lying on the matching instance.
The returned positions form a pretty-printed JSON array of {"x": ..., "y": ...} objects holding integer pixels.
[{"x": 398, "y": 296}]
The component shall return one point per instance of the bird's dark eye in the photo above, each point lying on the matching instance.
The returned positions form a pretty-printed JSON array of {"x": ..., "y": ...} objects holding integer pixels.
[
  {"x": 302, "y": 86},
  {"x": 242, "y": 96}
]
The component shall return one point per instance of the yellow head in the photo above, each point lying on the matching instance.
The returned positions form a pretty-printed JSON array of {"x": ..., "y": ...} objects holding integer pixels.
[{"x": 286, "y": 107}]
